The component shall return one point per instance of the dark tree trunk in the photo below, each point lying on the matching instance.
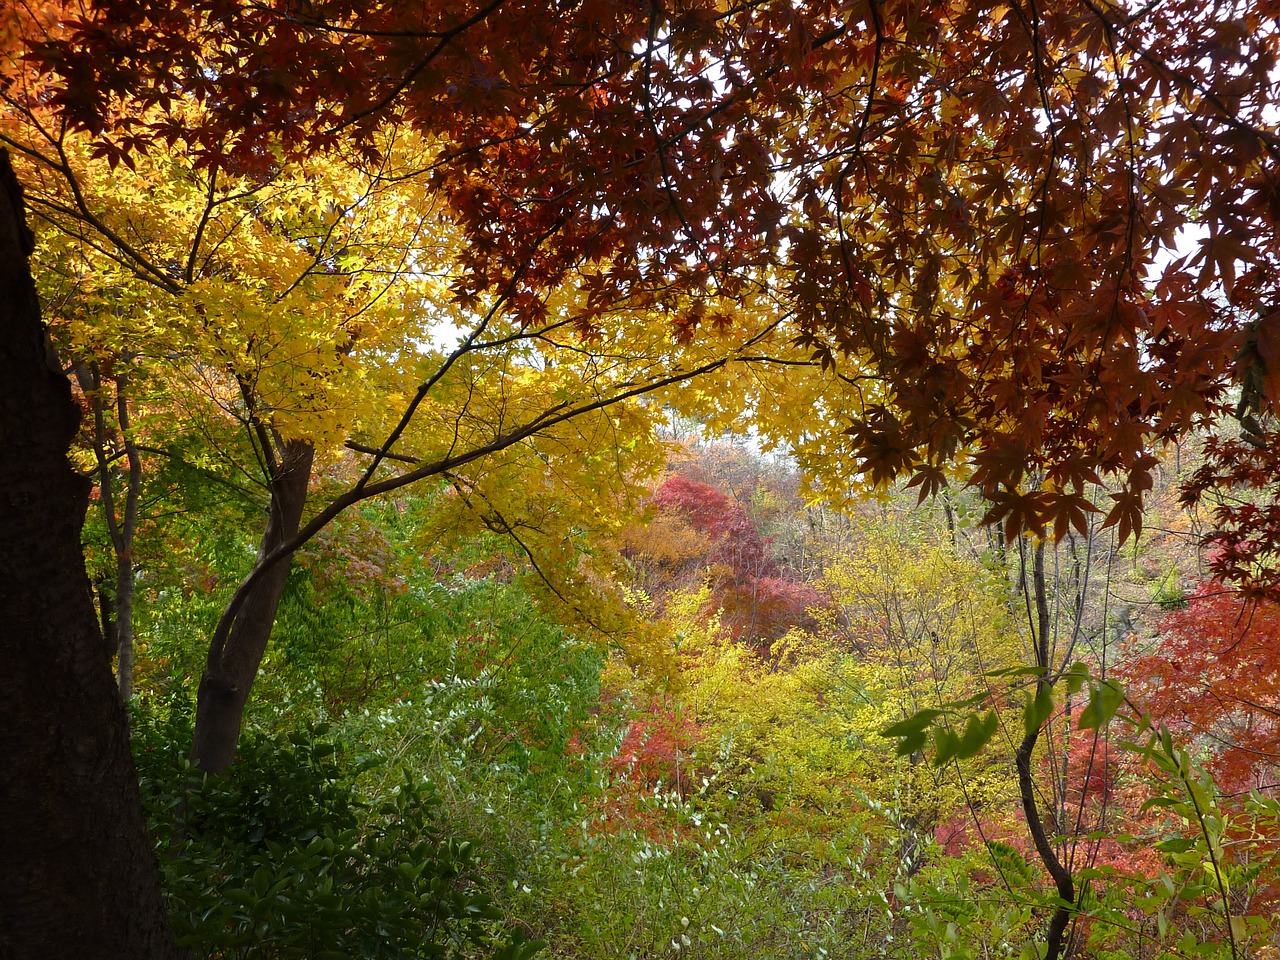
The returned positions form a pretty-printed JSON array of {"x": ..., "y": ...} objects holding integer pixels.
[
  {"x": 1056, "y": 939},
  {"x": 232, "y": 666},
  {"x": 123, "y": 640},
  {"x": 77, "y": 875}
]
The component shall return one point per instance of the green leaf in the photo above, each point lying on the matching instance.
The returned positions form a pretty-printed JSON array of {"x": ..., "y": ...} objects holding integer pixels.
[
  {"x": 946, "y": 745},
  {"x": 1009, "y": 862},
  {"x": 916, "y": 723},
  {"x": 1037, "y": 709},
  {"x": 1023, "y": 671},
  {"x": 1076, "y": 677},
  {"x": 261, "y": 882},
  {"x": 911, "y": 732},
  {"x": 910, "y": 743},
  {"x": 978, "y": 732},
  {"x": 1104, "y": 700}
]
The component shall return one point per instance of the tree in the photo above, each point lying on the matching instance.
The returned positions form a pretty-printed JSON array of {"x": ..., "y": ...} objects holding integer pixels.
[
  {"x": 1212, "y": 675},
  {"x": 258, "y": 298},
  {"x": 987, "y": 205},
  {"x": 988, "y": 282},
  {"x": 299, "y": 304},
  {"x": 73, "y": 832},
  {"x": 931, "y": 627},
  {"x": 120, "y": 513}
]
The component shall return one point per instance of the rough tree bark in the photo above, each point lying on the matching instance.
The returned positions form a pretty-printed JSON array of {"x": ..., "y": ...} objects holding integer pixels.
[
  {"x": 77, "y": 875},
  {"x": 232, "y": 666}
]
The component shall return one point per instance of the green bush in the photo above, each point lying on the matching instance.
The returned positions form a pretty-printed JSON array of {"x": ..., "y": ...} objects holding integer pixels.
[{"x": 279, "y": 859}]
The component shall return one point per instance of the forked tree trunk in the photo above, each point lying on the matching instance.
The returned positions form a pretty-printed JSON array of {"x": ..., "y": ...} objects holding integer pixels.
[
  {"x": 230, "y": 669},
  {"x": 77, "y": 875}
]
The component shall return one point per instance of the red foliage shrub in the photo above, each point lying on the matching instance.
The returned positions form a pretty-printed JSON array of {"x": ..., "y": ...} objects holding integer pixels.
[
  {"x": 758, "y": 603},
  {"x": 1215, "y": 680},
  {"x": 655, "y": 749}
]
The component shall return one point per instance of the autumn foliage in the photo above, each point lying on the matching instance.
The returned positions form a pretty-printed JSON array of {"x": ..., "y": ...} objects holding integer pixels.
[
  {"x": 1042, "y": 238},
  {"x": 1214, "y": 678},
  {"x": 1011, "y": 247},
  {"x": 700, "y": 534}
]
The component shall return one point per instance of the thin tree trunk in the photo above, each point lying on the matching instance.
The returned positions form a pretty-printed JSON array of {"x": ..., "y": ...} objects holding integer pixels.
[
  {"x": 107, "y": 611},
  {"x": 1058, "y": 872},
  {"x": 77, "y": 874},
  {"x": 124, "y": 626},
  {"x": 120, "y": 528},
  {"x": 128, "y": 530},
  {"x": 231, "y": 667}
]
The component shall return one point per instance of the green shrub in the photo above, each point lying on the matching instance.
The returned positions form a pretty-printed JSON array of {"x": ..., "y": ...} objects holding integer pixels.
[{"x": 279, "y": 859}]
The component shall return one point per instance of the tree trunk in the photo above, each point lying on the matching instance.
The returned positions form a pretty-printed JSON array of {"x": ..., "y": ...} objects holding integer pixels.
[
  {"x": 231, "y": 667},
  {"x": 121, "y": 527},
  {"x": 127, "y": 532},
  {"x": 1056, "y": 939},
  {"x": 77, "y": 875},
  {"x": 124, "y": 627},
  {"x": 107, "y": 611}
]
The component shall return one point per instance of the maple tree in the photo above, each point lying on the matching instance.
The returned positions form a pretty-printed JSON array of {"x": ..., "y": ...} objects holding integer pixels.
[
  {"x": 987, "y": 204},
  {"x": 262, "y": 320},
  {"x": 315, "y": 308},
  {"x": 1212, "y": 675},
  {"x": 994, "y": 275}
]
